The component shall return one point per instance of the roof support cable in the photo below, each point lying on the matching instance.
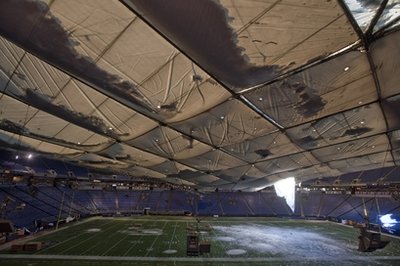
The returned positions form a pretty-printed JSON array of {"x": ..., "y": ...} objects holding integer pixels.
[
  {"x": 354, "y": 208},
  {"x": 369, "y": 31},
  {"x": 383, "y": 29}
]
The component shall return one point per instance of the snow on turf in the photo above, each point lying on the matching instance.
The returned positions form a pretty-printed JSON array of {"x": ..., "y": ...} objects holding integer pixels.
[
  {"x": 236, "y": 252},
  {"x": 225, "y": 239},
  {"x": 170, "y": 251},
  {"x": 152, "y": 231},
  {"x": 281, "y": 241},
  {"x": 141, "y": 232},
  {"x": 94, "y": 230}
]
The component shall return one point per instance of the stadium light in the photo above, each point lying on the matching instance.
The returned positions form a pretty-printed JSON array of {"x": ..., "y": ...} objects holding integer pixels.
[{"x": 286, "y": 188}]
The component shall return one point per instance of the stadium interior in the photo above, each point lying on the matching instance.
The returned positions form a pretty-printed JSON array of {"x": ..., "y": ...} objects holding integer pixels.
[{"x": 200, "y": 113}]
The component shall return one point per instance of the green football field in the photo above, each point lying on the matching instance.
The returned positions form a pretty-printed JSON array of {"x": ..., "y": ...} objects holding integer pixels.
[{"x": 154, "y": 240}]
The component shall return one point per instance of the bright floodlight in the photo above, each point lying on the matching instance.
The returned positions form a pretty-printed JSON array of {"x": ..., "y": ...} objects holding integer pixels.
[{"x": 286, "y": 188}]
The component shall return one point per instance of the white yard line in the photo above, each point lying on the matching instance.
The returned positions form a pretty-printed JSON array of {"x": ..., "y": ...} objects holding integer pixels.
[
  {"x": 154, "y": 241},
  {"x": 109, "y": 236},
  {"x": 99, "y": 243},
  {"x": 132, "y": 246},
  {"x": 7, "y": 245},
  {"x": 173, "y": 235},
  {"x": 219, "y": 241},
  {"x": 86, "y": 239},
  {"x": 140, "y": 238},
  {"x": 113, "y": 246},
  {"x": 64, "y": 241}
]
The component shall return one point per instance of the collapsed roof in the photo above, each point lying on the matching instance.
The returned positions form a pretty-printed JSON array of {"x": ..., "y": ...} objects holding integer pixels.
[{"x": 228, "y": 94}]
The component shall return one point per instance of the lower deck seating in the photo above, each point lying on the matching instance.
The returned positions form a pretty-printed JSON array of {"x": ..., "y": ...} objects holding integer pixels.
[{"x": 49, "y": 202}]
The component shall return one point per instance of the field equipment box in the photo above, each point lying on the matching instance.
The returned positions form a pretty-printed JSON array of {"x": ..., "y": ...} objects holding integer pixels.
[{"x": 33, "y": 246}]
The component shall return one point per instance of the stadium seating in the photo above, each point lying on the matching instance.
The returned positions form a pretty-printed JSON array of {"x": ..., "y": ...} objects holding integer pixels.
[{"x": 48, "y": 202}]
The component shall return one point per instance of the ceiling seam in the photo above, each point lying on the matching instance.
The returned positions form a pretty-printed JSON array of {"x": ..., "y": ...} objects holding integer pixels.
[
  {"x": 378, "y": 86},
  {"x": 71, "y": 78},
  {"x": 305, "y": 39},
  {"x": 352, "y": 21},
  {"x": 352, "y": 47},
  {"x": 384, "y": 30},
  {"x": 376, "y": 17},
  {"x": 142, "y": 113}
]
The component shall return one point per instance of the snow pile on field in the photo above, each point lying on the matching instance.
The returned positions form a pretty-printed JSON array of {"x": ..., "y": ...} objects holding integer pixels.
[
  {"x": 94, "y": 230},
  {"x": 280, "y": 241},
  {"x": 236, "y": 252},
  {"x": 170, "y": 251},
  {"x": 141, "y": 232}
]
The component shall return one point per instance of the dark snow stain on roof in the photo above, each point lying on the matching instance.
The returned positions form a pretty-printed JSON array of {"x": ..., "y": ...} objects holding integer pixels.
[
  {"x": 31, "y": 25},
  {"x": 201, "y": 29}
]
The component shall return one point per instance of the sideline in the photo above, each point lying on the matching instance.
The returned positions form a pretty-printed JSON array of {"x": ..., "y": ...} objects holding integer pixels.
[{"x": 7, "y": 245}]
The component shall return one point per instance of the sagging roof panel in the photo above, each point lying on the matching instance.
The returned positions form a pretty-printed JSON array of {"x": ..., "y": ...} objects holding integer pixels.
[
  {"x": 272, "y": 145},
  {"x": 217, "y": 94},
  {"x": 239, "y": 174},
  {"x": 229, "y": 123},
  {"x": 20, "y": 118},
  {"x": 359, "y": 122},
  {"x": 131, "y": 155},
  {"x": 395, "y": 141},
  {"x": 354, "y": 148},
  {"x": 247, "y": 46},
  {"x": 390, "y": 14},
  {"x": 169, "y": 143},
  {"x": 17, "y": 142},
  {"x": 385, "y": 53},
  {"x": 391, "y": 109},
  {"x": 336, "y": 85},
  {"x": 213, "y": 160},
  {"x": 363, "y": 162},
  {"x": 287, "y": 163},
  {"x": 364, "y": 11}
]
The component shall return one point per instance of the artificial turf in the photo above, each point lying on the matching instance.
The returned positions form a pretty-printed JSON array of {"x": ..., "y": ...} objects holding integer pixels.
[{"x": 155, "y": 240}]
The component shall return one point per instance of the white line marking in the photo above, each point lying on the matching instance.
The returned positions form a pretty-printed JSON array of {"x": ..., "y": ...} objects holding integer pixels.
[
  {"x": 140, "y": 238},
  {"x": 62, "y": 242},
  {"x": 173, "y": 236},
  {"x": 113, "y": 246},
  {"x": 154, "y": 241},
  {"x": 86, "y": 239}
]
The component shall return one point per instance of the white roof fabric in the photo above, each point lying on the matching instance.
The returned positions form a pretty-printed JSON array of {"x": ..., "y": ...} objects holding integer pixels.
[{"x": 229, "y": 94}]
